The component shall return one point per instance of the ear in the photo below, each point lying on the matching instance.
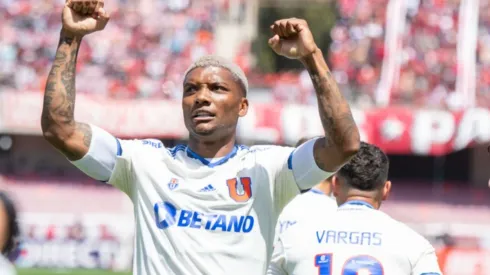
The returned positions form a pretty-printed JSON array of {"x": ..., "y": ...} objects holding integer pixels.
[
  {"x": 243, "y": 107},
  {"x": 386, "y": 190}
]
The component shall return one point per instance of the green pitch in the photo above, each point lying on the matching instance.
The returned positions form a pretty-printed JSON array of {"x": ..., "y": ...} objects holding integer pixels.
[{"x": 68, "y": 272}]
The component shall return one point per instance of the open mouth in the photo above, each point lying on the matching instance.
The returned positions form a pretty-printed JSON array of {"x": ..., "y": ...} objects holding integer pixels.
[{"x": 202, "y": 115}]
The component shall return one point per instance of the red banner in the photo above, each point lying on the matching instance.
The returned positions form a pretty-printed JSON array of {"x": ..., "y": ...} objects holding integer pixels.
[{"x": 394, "y": 129}]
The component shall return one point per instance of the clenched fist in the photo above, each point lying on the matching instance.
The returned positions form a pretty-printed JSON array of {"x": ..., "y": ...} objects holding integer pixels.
[
  {"x": 81, "y": 17},
  {"x": 292, "y": 38}
]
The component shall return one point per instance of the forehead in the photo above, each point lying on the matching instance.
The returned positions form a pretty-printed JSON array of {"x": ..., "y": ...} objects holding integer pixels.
[{"x": 210, "y": 74}]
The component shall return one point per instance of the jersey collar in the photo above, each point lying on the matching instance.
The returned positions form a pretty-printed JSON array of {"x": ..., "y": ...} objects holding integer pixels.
[
  {"x": 357, "y": 203},
  {"x": 316, "y": 191},
  {"x": 206, "y": 162}
]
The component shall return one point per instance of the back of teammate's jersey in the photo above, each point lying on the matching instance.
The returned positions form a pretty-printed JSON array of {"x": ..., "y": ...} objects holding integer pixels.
[
  {"x": 302, "y": 207},
  {"x": 354, "y": 240}
]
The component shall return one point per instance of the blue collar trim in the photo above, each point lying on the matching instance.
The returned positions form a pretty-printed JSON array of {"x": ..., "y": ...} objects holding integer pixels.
[
  {"x": 206, "y": 162},
  {"x": 358, "y": 203},
  {"x": 316, "y": 191}
]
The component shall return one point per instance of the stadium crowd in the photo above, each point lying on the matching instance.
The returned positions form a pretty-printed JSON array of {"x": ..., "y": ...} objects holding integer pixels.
[
  {"x": 148, "y": 45},
  {"x": 142, "y": 53},
  {"x": 483, "y": 54},
  {"x": 429, "y": 66}
]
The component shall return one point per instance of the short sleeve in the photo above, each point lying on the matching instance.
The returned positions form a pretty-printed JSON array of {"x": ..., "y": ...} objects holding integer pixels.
[
  {"x": 122, "y": 173},
  {"x": 109, "y": 159},
  {"x": 294, "y": 169},
  {"x": 277, "y": 265},
  {"x": 275, "y": 160},
  {"x": 427, "y": 263}
]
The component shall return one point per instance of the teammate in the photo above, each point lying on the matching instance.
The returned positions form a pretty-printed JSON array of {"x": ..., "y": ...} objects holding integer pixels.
[
  {"x": 357, "y": 238},
  {"x": 209, "y": 207},
  {"x": 307, "y": 203},
  {"x": 9, "y": 232}
]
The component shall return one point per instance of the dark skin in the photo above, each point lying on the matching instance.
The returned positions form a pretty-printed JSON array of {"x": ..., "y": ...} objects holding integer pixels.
[
  {"x": 211, "y": 90},
  {"x": 293, "y": 39},
  {"x": 218, "y": 97},
  {"x": 70, "y": 137}
]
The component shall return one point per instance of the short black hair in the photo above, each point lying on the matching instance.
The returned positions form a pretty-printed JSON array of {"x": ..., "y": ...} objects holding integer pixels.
[
  {"x": 13, "y": 225},
  {"x": 367, "y": 170}
]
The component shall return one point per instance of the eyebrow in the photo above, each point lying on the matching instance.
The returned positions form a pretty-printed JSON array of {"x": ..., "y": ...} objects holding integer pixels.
[{"x": 215, "y": 83}]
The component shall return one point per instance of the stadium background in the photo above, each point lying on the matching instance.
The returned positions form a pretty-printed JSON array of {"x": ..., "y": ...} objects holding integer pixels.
[{"x": 417, "y": 73}]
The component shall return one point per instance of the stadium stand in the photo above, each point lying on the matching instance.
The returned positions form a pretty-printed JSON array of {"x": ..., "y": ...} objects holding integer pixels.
[{"x": 148, "y": 45}]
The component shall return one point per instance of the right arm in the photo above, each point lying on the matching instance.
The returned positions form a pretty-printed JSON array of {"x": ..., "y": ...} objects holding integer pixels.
[
  {"x": 58, "y": 124},
  {"x": 89, "y": 148}
]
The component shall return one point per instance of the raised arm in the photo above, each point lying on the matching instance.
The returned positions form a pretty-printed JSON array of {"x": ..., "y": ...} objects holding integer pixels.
[
  {"x": 293, "y": 39},
  {"x": 58, "y": 124}
]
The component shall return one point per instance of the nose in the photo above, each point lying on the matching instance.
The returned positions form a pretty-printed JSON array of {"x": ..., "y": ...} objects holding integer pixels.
[{"x": 202, "y": 95}]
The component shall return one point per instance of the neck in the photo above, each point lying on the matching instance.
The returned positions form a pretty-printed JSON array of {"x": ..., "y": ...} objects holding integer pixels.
[
  {"x": 324, "y": 187},
  {"x": 212, "y": 149},
  {"x": 373, "y": 202}
]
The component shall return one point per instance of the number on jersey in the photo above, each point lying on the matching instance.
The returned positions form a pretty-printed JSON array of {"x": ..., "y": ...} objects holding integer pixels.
[
  {"x": 357, "y": 265},
  {"x": 241, "y": 190}
]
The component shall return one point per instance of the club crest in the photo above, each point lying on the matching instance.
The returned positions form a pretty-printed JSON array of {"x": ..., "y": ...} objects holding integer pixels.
[{"x": 173, "y": 183}]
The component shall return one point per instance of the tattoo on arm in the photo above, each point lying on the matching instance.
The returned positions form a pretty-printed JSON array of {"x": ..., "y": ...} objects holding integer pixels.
[
  {"x": 84, "y": 128},
  {"x": 57, "y": 120},
  {"x": 335, "y": 114}
]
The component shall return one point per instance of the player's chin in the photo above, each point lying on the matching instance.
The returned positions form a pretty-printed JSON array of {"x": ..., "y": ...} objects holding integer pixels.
[{"x": 204, "y": 129}]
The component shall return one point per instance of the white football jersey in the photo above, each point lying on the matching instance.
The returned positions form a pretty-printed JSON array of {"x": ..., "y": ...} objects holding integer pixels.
[
  {"x": 303, "y": 207},
  {"x": 6, "y": 267},
  {"x": 353, "y": 240},
  {"x": 202, "y": 216}
]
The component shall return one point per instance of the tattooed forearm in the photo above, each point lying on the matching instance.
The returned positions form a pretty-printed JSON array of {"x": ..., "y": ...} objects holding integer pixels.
[
  {"x": 341, "y": 132},
  {"x": 86, "y": 131},
  {"x": 59, "y": 95},
  {"x": 57, "y": 120},
  {"x": 335, "y": 113}
]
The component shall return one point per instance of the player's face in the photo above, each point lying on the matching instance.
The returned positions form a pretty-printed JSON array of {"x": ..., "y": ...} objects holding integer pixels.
[{"x": 212, "y": 103}]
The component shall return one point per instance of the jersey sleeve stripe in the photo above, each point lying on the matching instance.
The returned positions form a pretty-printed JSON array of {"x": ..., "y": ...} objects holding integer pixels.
[
  {"x": 119, "y": 148},
  {"x": 290, "y": 160}
]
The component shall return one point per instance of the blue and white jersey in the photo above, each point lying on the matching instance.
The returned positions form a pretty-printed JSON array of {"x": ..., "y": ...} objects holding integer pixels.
[
  {"x": 304, "y": 206},
  {"x": 353, "y": 240},
  {"x": 202, "y": 216}
]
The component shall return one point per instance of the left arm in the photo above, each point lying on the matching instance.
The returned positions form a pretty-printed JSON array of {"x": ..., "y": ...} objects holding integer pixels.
[
  {"x": 426, "y": 262},
  {"x": 342, "y": 140},
  {"x": 293, "y": 39}
]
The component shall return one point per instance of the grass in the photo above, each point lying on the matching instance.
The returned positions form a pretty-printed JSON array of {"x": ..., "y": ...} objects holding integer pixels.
[{"x": 38, "y": 271}]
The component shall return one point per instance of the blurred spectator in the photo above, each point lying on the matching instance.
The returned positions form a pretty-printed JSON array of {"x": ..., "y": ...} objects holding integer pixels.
[
  {"x": 483, "y": 55},
  {"x": 142, "y": 53},
  {"x": 76, "y": 232},
  {"x": 357, "y": 49},
  {"x": 429, "y": 50},
  {"x": 148, "y": 45}
]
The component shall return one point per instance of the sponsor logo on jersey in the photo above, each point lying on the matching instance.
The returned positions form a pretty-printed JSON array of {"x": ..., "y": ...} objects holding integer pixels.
[
  {"x": 173, "y": 183},
  {"x": 167, "y": 215},
  {"x": 153, "y": 143},
  {"x": 208, "y": 188}
]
